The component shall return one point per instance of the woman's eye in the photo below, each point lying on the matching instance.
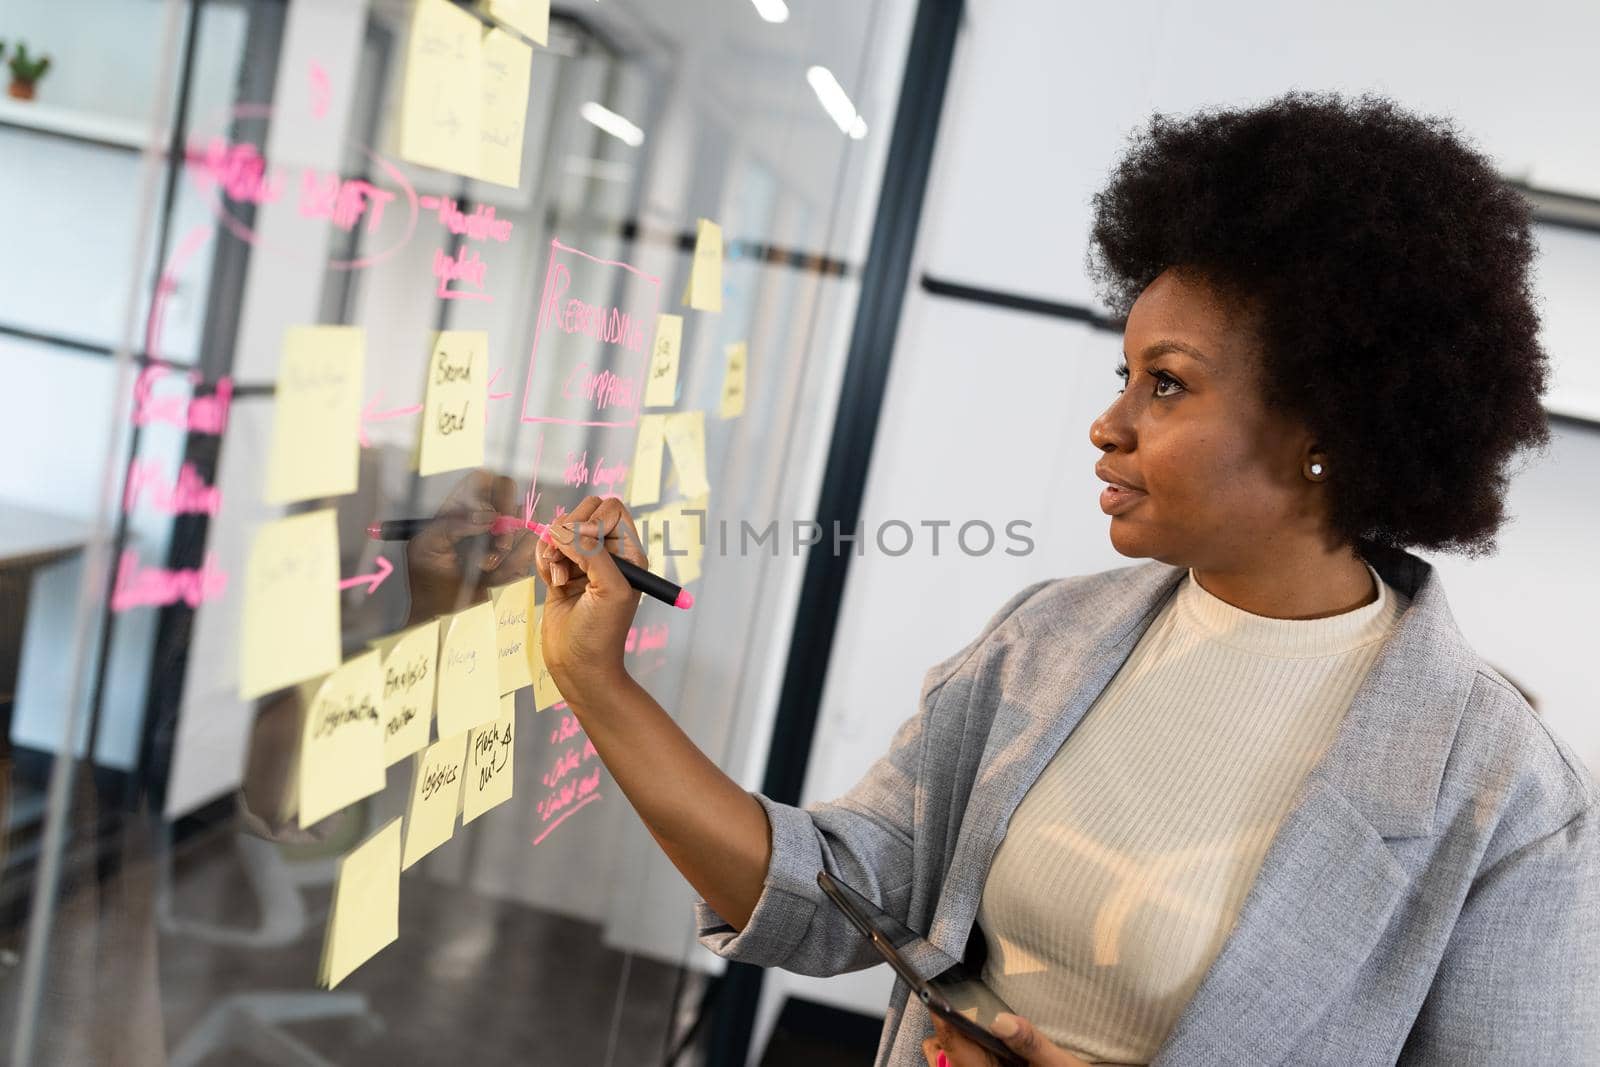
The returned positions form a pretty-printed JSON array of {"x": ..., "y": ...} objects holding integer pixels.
[{"x": 1162, "y": 379}]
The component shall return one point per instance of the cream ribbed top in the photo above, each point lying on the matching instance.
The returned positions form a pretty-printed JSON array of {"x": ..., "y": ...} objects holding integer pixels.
[{"x": 1125, "y": 865}]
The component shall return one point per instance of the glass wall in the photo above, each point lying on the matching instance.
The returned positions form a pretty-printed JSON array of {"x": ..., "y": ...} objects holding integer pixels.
[{"x": 291, "y": 271}]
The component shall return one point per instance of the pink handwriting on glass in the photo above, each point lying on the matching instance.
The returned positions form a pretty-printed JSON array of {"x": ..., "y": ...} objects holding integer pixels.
[
  {"x": 481, "y": 225},
  {"x": 605, "y": 479},
  {"x": 199, "y": 414},
  {"x": 327, "y": 196},
  {"x": 232, "y": 173},
  {"x": 189, "y": 495},
  {"x": 138, "y": 586},
  {"x": 560, "y": 308},
  {"x": 465, "y": 266},
  {"x": 646, "y": 639},
  {"x": 566, "y": 798}
]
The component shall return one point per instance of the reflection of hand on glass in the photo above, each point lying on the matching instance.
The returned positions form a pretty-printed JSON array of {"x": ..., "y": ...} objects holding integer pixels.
[
  {"x": 454, "y": 560},
  {"x": 267, "y": 796}
]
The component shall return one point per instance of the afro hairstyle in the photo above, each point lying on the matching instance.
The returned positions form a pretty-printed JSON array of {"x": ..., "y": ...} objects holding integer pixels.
[{"x": 1384, "y": 265}]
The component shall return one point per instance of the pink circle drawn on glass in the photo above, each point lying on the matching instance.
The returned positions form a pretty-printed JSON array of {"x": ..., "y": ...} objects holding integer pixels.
[{"x": 248, "y": 235}]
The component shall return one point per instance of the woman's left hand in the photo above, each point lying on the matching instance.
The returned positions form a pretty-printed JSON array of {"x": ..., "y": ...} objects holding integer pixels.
[{"x": 948, "y": 1048}]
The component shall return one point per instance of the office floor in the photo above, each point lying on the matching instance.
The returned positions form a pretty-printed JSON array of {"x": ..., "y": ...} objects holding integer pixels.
[{"x": 471, "y": 981}]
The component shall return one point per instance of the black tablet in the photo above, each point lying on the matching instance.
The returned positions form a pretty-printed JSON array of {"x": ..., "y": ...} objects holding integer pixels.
[{"x": 956, "y": 995}]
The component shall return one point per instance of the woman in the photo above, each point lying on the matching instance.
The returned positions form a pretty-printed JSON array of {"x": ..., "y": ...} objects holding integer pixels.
[{"x": 1257, "y": 800}]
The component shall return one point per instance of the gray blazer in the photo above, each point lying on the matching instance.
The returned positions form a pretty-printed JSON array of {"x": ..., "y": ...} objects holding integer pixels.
[{"x": 1432, "y": 897}]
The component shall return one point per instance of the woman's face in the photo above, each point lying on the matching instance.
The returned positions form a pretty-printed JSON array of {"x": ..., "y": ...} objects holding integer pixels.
[{"x": 1215, "y": 480}]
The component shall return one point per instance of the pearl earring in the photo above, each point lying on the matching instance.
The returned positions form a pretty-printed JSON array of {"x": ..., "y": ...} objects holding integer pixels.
[{"x": 1316, "y": 469}]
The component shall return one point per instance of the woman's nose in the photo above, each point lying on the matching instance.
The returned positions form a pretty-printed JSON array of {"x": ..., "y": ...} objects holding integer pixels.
[{"x": 1110, "y": 429}]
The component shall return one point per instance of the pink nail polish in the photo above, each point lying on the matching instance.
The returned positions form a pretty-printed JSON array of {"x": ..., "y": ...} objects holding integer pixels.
[{"x": 944, "y": 1061}]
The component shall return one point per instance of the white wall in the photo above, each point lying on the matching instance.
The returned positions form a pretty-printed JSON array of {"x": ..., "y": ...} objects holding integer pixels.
[{"x": 988, "y": 410}]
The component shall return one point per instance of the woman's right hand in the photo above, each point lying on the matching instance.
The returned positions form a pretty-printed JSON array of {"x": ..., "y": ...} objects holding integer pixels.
[{"x": 588, "y": 604}]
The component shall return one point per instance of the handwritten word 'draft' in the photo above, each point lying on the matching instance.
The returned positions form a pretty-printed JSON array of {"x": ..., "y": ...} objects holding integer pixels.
[
  {"x": 365, "y": 916},
  {"x": 489, "y": 764},
  {"x": 410, "y": 669},
  {"x": 452, "y": 413},
  {"x": 661, "y": 384},
  {"x": 469, "y": 676},
  {"x": 644, "y": 476},
  {"x": 443, "y": 96},
  {"x": 316, "y": 421},
  {"x": 291, "y": 603},
  {"x": 513, "y": 621},
  {"x": 341, "y": 739},
  {"x": 733, "y": 377},
  {"x": 507, "y": 68},
  {"x": 686, "y": 437},
  {"x": 435, "y": 797},
  {"x": 528, "y": 17},
  {"x": 704, "y": 291}
]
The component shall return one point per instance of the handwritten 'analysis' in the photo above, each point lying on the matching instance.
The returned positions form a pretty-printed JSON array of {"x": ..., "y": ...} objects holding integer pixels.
[
  {"x": 341, "y": 739},
  {"x": 291, "y": 603},
  {"x": 410, "y": 673}
]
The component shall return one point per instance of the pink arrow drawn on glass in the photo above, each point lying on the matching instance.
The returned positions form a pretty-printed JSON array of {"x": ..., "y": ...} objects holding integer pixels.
[
  {"x": 371, "y": 414},
  {"x": 373, "y": 580}
]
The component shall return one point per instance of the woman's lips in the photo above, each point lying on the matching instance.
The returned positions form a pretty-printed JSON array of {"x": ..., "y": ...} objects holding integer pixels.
[{"x": 1114, "y": 499}]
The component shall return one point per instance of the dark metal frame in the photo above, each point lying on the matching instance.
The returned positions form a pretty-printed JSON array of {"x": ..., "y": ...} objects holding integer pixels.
[{"x": 884, "y": 279}]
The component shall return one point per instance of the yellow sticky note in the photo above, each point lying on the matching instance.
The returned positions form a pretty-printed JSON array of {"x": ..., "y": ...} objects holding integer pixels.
[
  {"x": 661, "y": 386},
  {"x": 507, "y": 65},
  {"x": 733, "y": 380},
  {"x": 529, "y": 17},
  {"x": 410, "y": 668},
  {"x": 365, "y": 916},
  {"x": 686, "y": 437},
  {"x": 644, "y": 477},
  {"x": 341, "y": 740},
  {"x": 688, "y": 537},
  {"x": 705, "y": 275},
  {"x": 291, "y": 603},
  {"x": 469, "y": 677},
  {"x": 316, "y": 419},
  {"x": 435, "y": 796},
  {"x": 452, "y": 412},
  {"x": 489, "y": 764},
  {"x": 442, "y": 101},
  {"x": 513, "y": 611},
  {"x": 545, "y": 692},
  {"x": 653, "y": 529}
]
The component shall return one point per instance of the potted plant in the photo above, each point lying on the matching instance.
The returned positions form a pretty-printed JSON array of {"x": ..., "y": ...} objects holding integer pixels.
[{"x": 26, "y": 70}]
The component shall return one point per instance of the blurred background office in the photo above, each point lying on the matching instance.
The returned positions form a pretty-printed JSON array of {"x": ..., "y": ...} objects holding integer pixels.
[{"x": 903, "y": 191}]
